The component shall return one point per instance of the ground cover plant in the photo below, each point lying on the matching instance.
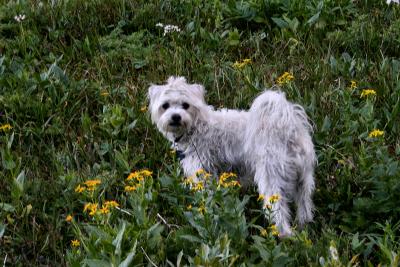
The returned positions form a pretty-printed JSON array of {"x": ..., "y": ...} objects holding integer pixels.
[{"x": 86, "y": 180}]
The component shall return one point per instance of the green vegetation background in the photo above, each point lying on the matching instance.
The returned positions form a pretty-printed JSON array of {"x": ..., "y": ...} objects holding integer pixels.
[{"x": 73, "y": 81}]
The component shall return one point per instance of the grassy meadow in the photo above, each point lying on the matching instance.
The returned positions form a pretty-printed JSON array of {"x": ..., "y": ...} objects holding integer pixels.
[{"x": 87, "y": 180}]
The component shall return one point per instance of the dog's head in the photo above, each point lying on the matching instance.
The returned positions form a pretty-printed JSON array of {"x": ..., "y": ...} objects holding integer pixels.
[{"x": 176, "y": 106}]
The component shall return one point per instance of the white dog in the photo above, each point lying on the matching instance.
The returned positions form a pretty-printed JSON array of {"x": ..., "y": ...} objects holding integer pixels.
[{"x": 270, "y": 144}]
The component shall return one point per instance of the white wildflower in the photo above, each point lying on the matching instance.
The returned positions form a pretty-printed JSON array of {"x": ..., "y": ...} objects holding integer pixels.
[
  {"x": 168, "y": 28},
  {"x": 19, "y": 18},
  {"x": 333, "y": 252},
  {"x": 171, "y": 28}
]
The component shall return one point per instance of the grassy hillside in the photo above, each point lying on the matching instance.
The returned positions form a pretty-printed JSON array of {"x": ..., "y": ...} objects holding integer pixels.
[{"x": 87, "y": 180}]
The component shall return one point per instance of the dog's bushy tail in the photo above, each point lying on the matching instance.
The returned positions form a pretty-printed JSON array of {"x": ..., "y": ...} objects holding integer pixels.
[{"x": 275, "y": 122}]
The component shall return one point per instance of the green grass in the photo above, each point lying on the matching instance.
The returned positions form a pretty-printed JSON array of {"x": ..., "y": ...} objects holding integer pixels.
[{"x": 73, "y": 81}]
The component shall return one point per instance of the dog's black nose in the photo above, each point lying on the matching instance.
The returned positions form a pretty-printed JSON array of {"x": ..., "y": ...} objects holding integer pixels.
[{"x": 176, "y": 118}]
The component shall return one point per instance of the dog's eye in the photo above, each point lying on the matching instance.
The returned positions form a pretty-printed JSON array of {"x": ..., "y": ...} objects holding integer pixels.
[
  {"x": 165, "y": 106},
  {"x": 185, "y": 105}
]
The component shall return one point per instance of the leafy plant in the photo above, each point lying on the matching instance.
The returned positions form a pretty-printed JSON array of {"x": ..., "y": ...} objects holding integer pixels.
[{"x": 73, "y": 108}]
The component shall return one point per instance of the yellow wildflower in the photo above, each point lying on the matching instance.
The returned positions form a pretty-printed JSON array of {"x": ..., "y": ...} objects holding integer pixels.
[
  {"x": 68, "y": 218},
  {"x": 273, "y": 227},
  {"x": 104, "y": 93},
  {"x": 201, "y": 209},
  {"x": 240, "y": 65},
  {"x": 93, "y": 211},
  {"x": 285, "y": 78},
  {"x": 140, "y": 178},
  {"x": 111, "y": 204},
  {"x": 275, "y": 233},
  {"x": 75, "y": 243},
  {"x": 146, "y": 173},
  {"x": 375, "y": 133},
  {"x": 274, "y": 230},
  {"x": 203, "y": 173},
  {"x": 354, "y": 260},
  {"x": 92, "y": 183},
  {"x": 206, "y": 175},
  {"x": 189, "y": 207},
  {"x": 260, "y": 197},
  {"x": 79, "y": 189},
  {"x": 139, "y": 175},
  {"x": 91, "y": 207},
  {"x": 92, "y": 188},
  {"x": 273, "y": 199},
  {"x": 5, "y": 127},
  {"x": 143, "y": 109},
  {"x": 200, "y": 172},
  {"x": 87, "y": 206},
  {"x": 263, "y": 232},
  {"x": 104, "y": 210},
  {"x": 268, "y": 206},
  {"x": 224, "y": 176},
  {"x": 232, "y": 184},
  {"x": 353, "y": 85},
  {"x": 198, "y": 186},
  {"x": 132, "y": 175},
  {"x": 188, "y": 181},
  {"x": 129, "y": 188},
  {"x": 247, "y": 61},
  {"x": 367, "y": 92},
  {"x": 135, "y": 176}
]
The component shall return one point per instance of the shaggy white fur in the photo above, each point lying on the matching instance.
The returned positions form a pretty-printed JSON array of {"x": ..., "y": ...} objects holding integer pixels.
[{"x": 269, "y": 145}]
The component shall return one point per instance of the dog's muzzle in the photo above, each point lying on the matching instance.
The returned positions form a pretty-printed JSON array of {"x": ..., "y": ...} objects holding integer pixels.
[{"x": 175, "y": 120}]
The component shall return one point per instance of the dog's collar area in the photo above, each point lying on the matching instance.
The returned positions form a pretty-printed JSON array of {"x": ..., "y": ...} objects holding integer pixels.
[
  {"x": 187, "y": 134},
  {"x": 178, "y": 138},
  {"x": 180, "y": 155}
]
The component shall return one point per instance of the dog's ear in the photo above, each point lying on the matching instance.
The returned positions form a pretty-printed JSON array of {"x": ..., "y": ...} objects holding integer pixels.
[
  {"x": 176, "y": 80},
  {"x": 197, "y": 90},
  {"x": 154, "y": 91}
]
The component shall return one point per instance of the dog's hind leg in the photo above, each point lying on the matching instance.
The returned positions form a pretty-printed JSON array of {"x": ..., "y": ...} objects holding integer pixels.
[
  {"x": 304, "y": 160},
  {"x": 270, "y": 181},
  {"x": 303, "y": 196}
]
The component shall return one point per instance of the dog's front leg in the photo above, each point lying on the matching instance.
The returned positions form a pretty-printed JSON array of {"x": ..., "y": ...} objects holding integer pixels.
[{"x": 190, "y": 165}]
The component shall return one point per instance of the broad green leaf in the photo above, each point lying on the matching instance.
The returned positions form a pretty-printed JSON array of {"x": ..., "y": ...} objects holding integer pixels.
[
  {"x": 118, "y": 240},
  {"x": 7, "y": 160},
  {"x": 21, "y": 180},
  {"x": 7, "y": 207},
  {"x": 18, "y": 185},
  {"x": 96, "y": 231},
  {"x": 2, "y": 229},
  {"x": 280, "y": 22},
  {"x": 179, "y": 258},
  {"x": 191, "y": 238},
  {"x": 121, "y": 160},
  {"x": 96, "y": 263},
  {"x": 130, "y": 256},
  {"x": 313, "y": 19},
  {"x": 10, "y": 141},
  {"x": 326, "y": 125}
]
